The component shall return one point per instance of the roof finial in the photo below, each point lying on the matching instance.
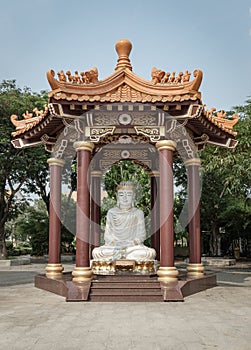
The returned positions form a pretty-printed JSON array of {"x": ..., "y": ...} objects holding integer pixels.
[{"x": 123, "y": 48}]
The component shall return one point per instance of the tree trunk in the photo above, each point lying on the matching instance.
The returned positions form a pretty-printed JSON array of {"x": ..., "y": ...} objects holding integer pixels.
[
  {"x": 3, "y": 250},
  {"x": 214, "y": 239}
]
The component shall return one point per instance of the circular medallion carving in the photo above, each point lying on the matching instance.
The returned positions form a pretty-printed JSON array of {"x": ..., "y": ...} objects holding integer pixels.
[
  {"x": 125, "y": 154},
  {"x": 125, "y": 119}
]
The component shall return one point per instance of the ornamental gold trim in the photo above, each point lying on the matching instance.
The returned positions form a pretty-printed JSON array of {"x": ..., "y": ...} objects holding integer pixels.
[
  {"x": 168, "y": 274},
  {"x": 96, "y": 173},
  {"x": 55, "y": 161},
  {"x": 81, "y": 274},
  {"x": 193, "y": 161},
  {"x": 154, "y": 173},
  {"x": 166, "y": 144},
  {"x": 83, "y": 146},
  {"x": 54, "y": 271},
  {"x": 103, "y": 267},
  {"x": 195, "y": 270}
]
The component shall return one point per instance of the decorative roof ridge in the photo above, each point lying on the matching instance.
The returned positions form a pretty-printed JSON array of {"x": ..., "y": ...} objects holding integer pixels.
[
  {"x": 90, "y": 88},
  {"x": 162, "y": 83},
  {"x": 167, "y": 88},
  {"x": 125, "y": 76}
]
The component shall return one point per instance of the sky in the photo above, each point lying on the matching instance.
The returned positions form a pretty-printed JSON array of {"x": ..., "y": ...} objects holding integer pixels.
[{"x": 214, "y": 36}]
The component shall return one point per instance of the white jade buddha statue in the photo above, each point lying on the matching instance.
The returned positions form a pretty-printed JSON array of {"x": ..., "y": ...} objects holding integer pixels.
[{"x": 125, "y": 230}]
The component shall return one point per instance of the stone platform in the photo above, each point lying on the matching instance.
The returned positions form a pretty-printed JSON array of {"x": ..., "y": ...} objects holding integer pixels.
[
  {"x": 125, "y": 286},
  {"x": 21, "y": 260},
  {"x": 218, "y": 261}
]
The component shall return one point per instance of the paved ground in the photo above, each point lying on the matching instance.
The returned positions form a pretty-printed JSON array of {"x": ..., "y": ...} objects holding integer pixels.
[{"x": 32, "y": 319}]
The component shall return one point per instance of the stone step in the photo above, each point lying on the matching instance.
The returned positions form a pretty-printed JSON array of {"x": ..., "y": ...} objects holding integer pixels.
[
  {"x": 124, "y": 285},
  {"x": 126, "y": 298},
  {"x": 126, "y": 278},
  {"x": 124, "y": 291}
]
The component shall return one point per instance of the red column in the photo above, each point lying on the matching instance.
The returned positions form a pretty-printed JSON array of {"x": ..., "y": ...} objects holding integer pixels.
[
  {"x": 155, "y": 224},
  {"x": 82, "y": 271},
  {"x": 167, "y": 272},
  {"x": 54, "y": 267},
  {"x": 195, "y": 267},
  {"x": 95, "y": 209}
]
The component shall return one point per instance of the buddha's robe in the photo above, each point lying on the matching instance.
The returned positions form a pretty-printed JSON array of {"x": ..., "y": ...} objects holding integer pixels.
[{"x": 124, "y": 236}]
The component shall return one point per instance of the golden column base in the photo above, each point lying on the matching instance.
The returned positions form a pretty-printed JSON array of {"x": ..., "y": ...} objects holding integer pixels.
[
  {"x": 195, "y": 270},
  {"x": 81, "y": 274},
  {"x": 54, "y": 271},
  {"x": 168, "y": 274}
]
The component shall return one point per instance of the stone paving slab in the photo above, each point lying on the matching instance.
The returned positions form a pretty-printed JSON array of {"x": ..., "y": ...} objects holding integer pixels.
[{"x": 33, "y": 319}]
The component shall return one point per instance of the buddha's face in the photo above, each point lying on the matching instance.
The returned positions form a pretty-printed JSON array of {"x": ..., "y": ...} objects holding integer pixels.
[{"x": 125, "y": 198}]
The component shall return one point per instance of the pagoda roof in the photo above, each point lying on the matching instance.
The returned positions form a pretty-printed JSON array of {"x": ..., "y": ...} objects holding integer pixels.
[
  {"x": 166, "y": 91},
  {"x": 125, "y": 86}
]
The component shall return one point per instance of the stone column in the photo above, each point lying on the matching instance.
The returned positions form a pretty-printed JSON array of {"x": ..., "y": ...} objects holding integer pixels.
[
  {"x": 82, "y": 271},
  {"x": 155, "y": 225},
  {"x": 54, "y": 267},
  {"x": 194, "y": 268},
  {"x": 167, "y": 271},
  {"x": 95, "y": 209}
]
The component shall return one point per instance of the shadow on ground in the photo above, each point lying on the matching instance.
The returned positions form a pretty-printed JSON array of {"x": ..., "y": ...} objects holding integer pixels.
[
  {"x": 13, "y": 278},
  {"x": 234, "y": 276}
]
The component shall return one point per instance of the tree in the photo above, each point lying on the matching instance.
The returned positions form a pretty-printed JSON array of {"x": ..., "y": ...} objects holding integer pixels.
[
  {"x": 33, "y": 224},
  {"x": 226, "y": 185},
  {"x": 19, "y": 167}
]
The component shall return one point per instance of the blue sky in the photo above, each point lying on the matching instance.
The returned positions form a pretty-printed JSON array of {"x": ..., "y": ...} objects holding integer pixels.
[{"x": 214, "y": 36}]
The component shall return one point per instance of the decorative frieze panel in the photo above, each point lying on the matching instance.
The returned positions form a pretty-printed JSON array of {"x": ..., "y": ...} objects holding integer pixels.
[
  {"x": 141, "y": 153},
  {"x": 105, "y": 164},
  {"x": 135, "y": 118}
]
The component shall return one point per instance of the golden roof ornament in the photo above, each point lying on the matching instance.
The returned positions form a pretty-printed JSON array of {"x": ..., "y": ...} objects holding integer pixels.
[{"x": 123, "y": 48}]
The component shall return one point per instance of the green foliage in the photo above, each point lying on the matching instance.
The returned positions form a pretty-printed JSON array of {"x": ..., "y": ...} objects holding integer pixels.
[
  {"x": 23, "y": 248},
  {"x": 35, "y": 223},
  {"x": 226, "y": 183},
  {"x": 20, "y": 168},
  {"x": 226, "y": 175},
  {"x": 68, "y": 229},
  {"x": 180, "y": 232}
]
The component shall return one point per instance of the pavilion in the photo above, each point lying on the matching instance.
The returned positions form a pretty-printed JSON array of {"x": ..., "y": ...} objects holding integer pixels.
[{"x": 124, "y": 117}]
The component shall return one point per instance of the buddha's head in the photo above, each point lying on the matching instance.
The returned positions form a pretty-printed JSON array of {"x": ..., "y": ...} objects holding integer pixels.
[{"x": 125, "y": 195}]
